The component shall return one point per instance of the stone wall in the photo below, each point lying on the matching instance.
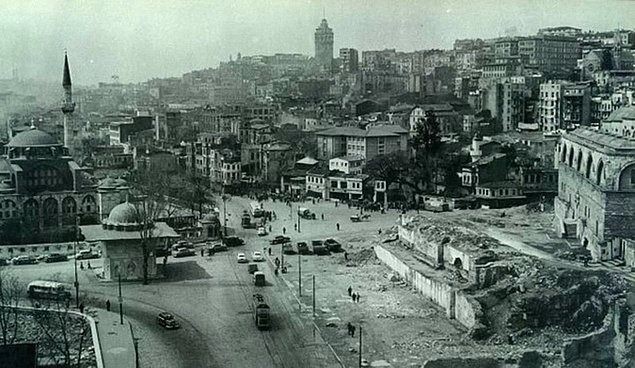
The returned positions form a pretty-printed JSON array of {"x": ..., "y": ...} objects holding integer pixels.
[{"x": 455, "y": 302}]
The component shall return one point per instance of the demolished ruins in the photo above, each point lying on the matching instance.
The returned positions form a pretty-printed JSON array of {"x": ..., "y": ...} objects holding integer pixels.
[{"x": 565, "y": 314}]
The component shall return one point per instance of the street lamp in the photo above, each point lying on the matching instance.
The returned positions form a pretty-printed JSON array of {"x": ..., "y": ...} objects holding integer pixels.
[
  {"x": 76, "y": 284},
  {"x": 225, "y": 198}
]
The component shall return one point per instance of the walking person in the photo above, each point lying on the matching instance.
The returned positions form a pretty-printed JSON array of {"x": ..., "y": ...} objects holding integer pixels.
[
  {"x": 337, "y": 226},
  {"x": 357, "y": 298},
  {"x": 353, "y": 297},
  {"x": 295, "y": 227},
  {"x": 350, "y": 290},
  {"x": 202, "y": 252},
  {"x": 89, "y": 267},
  {"x": 346, "y": 259},
  {"x": 108, "y": 305},
  {"x": 322, "y": 217},
  {"x": 352, "y": 331},
  {"x": 81, "y": 265},
  {"x": 81, "y": 308},
  {"x": 349, "y": 327},
  {"x": 284, "y": 230}
]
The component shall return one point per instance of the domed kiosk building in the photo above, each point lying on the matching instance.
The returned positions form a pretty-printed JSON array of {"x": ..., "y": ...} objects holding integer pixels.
[
  {"x": 40, "y": 184},
  {"x": 120, "y": 238}
]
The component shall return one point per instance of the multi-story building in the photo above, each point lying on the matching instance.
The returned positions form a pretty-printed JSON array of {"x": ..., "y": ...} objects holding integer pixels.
[
  {"x": 368, "y": 143},
  {"x": 120, "y": 131},
  {"x": 350, "y": 60},
  {"x": 564, "y": 104},
  {"x": 596, "y": 188},
  {"x": 347, "y": 164},
  {"x": 324, "y": 45},
  {"x": 505, "y": 98},
  {"x": 448, "y": 119}
]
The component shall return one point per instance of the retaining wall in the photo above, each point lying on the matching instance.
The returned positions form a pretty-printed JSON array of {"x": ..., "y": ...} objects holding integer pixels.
[{"x": 456, "y": 303}]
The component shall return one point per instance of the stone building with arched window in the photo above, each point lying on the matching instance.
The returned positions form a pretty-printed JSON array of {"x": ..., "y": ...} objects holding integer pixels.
[
  {"x": 41, "y": 186},
  {"x": 596, "y": 189}
]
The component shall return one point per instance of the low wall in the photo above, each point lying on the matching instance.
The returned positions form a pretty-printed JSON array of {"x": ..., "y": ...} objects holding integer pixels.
[{"x": 455, "y": 302}]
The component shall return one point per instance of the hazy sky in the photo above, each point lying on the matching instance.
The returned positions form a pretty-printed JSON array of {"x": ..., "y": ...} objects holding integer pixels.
[{"x": 141, "y": 39}]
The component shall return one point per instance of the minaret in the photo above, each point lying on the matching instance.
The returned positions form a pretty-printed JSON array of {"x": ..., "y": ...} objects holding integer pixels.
[{"x": 68, "y": 106}]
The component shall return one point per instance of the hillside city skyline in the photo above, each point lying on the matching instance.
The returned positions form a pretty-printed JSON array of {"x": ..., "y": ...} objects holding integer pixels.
[{"x": 151, "y": 44}]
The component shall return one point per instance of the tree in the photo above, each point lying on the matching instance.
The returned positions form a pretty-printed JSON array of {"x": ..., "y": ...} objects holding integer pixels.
[
  {"x": 10, "y": 293},
  {"x": 427, "y": 145},
  {"x": 147, "y": 209},
  {"x": 63, "y": 333},
  {"x": 391, "y": 168}
]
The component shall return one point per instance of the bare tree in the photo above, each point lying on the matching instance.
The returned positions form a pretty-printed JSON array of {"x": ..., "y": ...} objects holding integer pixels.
[
  {"x": 148, "y": 208},
  {"x": 64, "y": 334},
  {"x": 9, "y": 300}
]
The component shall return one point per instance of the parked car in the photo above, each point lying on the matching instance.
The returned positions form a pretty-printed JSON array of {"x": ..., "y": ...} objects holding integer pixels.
[
  {"x": 303, "y": 248},
  {"x": 241, "y": 258},
  {"x": 252, "y": 267},
  {"x": 333, "y": 245},
  {"x": 20, "y": 260},
  {"x": 55, "y": 257},
  {"x": 306, "y": 214},
  {"x": 3, "y": 262},
  {"x": 233, "y": 241},
  {"x": 219, "y": 247},
  {"x": 257, "y": 257},
  {"x": 280, "y": 240},
  {"x": 184, "y": 252},
  {"x": 167, "y": 321},
  {"x": 319, "y": 248},
  {"x": 86, "y": 254},
  {"x": 287, "y": 248},
  {"x": 262, "y": 231}
]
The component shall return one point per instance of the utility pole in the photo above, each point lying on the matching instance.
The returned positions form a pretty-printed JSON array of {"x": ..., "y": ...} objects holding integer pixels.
[
  {"x": 76, "y": 284},
  {"x": 299, "y": 220},
  {"x": 224, "y": 197},
  {"x": 360, "y": 346},
  {"x": 299, "y": 275},
  {"x": 120, "y": 300},
  {"x": 314, "y": 296}
]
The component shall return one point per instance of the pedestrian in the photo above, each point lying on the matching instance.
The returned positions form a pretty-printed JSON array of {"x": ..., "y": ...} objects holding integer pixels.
[
  {"x": 349, "y": 204},
  {"x": 275, "y": 217},
  {"x": 337, "y": 226},
  {"x": 379, "y": 231},
  {"x": 276, "y": 271},
  {"x": 202, "y": 252},
  {"x": 81, "y": 265},
  {"x": 322, "y": 217},
  {"x": 269, "y": 228},
  {"x": 277, "y": 262},
  {"x": 295, "y": 227},
  {"x": 81, "y": 308},
  {"x": 165, "y": 260},
  {"x": 108, "y": 305},
  {"x": 269, "y": 250},
  {"x": 352, "y": 331},
  {"x": 284, "y": 230},
  {"x": 349, "y": 327},
  {"x": 335, "y": 203},
  {"x": 350, "y": 290},
  {"x": 353, "y": 297},
  {"x": 357, "y": 298},
  {"x": 346, "y": 259},
  {"x": 89, "y": 265}
]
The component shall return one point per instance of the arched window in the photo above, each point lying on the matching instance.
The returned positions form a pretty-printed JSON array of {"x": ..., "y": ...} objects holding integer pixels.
[
  {"x": 69, "y": 206},
  {"x": 627, "y": 178},
  {"x": 88, "y": 204},
  {"x": 578, "y": 162},
  {"x": 599, "y": 173},
  {"x": 563, "y": 154},
  {"x": 571, "y": 157},
  {"x": 50, "y": 212},
  {"x": 31, "y": 211},
  {"x": 589, "y": 164}
]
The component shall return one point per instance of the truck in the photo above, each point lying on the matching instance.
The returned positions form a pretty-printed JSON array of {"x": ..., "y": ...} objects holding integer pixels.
[
  {"x": 246, "y": 222},
  {"x": 306, "y": 213},
  {"x": 261, "y": 312},
  {"x": 259, "y": 278}
]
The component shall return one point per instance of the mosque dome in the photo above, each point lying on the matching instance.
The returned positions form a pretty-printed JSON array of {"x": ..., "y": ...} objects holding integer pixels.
[
  {"x": 124, "y": 213},
  {"x": 33, "y": 138}
]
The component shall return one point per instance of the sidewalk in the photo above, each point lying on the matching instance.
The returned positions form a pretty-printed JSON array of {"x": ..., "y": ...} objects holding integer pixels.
[{"x": 116, "y": 340}]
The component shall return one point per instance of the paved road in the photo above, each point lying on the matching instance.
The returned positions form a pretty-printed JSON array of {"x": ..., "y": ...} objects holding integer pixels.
[{"x": 211, "y": 297}]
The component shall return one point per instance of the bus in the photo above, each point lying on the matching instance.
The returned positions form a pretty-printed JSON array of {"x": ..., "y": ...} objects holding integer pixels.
[
  {"x": 256, "y": 209},
  {"x": 261, "y": 312},
  {"x": 47, "y": 290}
]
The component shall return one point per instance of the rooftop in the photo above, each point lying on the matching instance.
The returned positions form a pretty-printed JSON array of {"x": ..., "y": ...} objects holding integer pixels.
[
  {"x": 33, "y": 138},
  {"x": 373, "y": 131},
  {"x": 600, "y": 138},
  {"x": 98, "y": 233}
]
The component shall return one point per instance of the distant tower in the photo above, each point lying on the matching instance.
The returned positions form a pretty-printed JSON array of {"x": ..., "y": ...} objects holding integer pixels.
[
  {"x": 324, "y": 45},
  {"x": 68, "y": 106}
]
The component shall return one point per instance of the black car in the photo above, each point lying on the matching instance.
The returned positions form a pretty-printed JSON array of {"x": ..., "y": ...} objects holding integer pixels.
[
  {"x": 319, "y": 248},
  {"x": 333, "y": 245},
  {"x": 21, "y": 260},
  {"x": 233, "y": 241},
  {"x": 167, "y": 321},
  {"x": 287, "y": 248},
  {"x": 55, "y": 257},
  {"x": 218, "y": 247},
  {"x": 303, "y": 248},
  {"x": 280, "y": 240}
]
